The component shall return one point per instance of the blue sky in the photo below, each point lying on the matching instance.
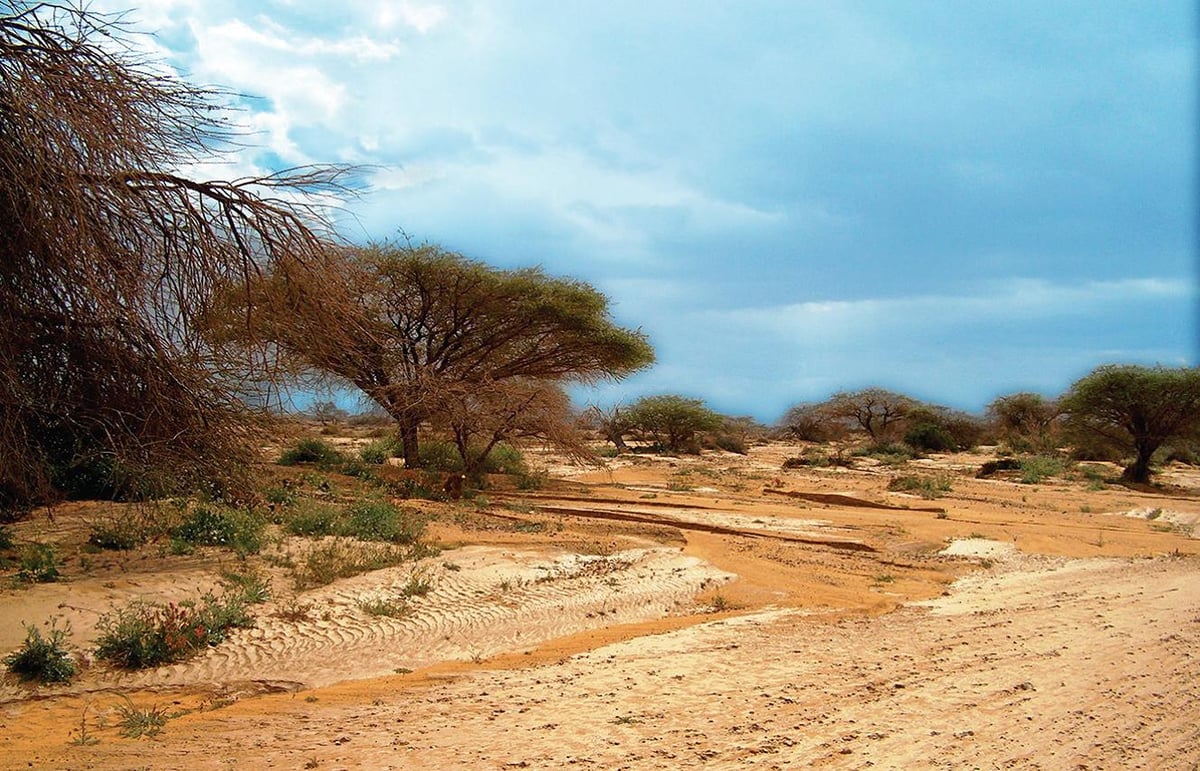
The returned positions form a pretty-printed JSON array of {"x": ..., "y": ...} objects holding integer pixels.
[{"x": 954, "y": 200}]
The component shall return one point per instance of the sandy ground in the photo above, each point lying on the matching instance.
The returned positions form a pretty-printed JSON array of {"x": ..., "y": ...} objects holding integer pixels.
[{"x": 686, "y": 613}]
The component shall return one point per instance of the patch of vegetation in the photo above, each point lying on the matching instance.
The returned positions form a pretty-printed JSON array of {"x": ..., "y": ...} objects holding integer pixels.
[
  {"x": 383, "y": 607},
  {"x": 925, "y": 486},
  {"x": 1035, "y": 468},
  {"x": 383, "y": 521},
  {"x": 39, "y": 563},
  {"x": 136, "y": 723},
  {"x": 251, "y": 587},
  {"x": 44, "y": 659},
  {"x": 145, "y": 634},
  {"x": 311, "y": 450},
  {"x": 341, "y": 557},
  {"x": 420, "y": 583},
  {"x": 377, "y": 453},
  {"x": 314, "y": 518},
  {"x": 439, "y": 455},
  {"x": 212, "y": 524},
  {"x": 281, "y": 495}
]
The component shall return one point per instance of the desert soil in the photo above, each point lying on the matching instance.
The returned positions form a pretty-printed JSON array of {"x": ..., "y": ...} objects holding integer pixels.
[{"x": 713, "y": 612}]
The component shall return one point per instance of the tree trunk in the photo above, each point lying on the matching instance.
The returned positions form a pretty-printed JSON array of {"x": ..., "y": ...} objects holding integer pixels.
[
  {"x": 1139, "y": 470},
  {"x": 409, "y": 441}
]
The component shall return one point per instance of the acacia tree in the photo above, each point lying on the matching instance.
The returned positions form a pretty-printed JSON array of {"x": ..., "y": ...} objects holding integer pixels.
[
  {"x": 673, "y": 421},
  {"x": 110, "y": 255},
  {"x": 409, "y": 324},
  {"x": 874, "y": 410},
  {"x": 1135, "y": 408}
]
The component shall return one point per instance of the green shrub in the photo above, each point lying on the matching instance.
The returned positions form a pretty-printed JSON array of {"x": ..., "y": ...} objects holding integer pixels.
[
  {"x": 383, "y": 521},
  {"x": 311, "y": 450},
  {"x": 925, "y": 486},
  {"x": 313, "y": 518},
  {"x": 44, "y": 659},
  {"x": 216, "y": 525},
  {"x": 439, "y": 455},
  {"x": 504, "y": 459},
  {"x": 930, "y": 437},
  {"x": 39, "y": 564},
  {"x": 378, "y": 452},
  {"x": 6, "y": 541},
  {"x": 144, "y": 634},
  {"x": 1035, "y": 468},
  {"x": 281, "y": 495}
]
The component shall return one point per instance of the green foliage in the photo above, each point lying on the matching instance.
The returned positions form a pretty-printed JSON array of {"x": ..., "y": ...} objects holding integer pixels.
[
  {"x": 251, "y": 587},
  {"x": 925, "y": 486},
  {"x": 439, "y": 455},
  {"x": 39, "y": 564},
  {"x": 6, "y": 541},
  {"x": 281, "y": 495},
  {"x": 145, "y": 634},
  {"x": 378, "y": 452},
  {"x": 212, "y": 524},
  {"x": 326, "y": 562},
  {"x": 504, "y": 459},
  {"x": 1035, "y": 468},
  {"x": 311, "y": 450},
  {"x": 382, "y": 521},
  {"x": 44, "y": 659},
  {"x": 673, "y": 421},
  {"x": 136, "y": 723},
  {"x": 314, "y": 518}
]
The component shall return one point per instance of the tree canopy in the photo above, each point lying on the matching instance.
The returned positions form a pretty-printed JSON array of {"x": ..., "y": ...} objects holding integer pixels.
[
  {"x": 408, "y": 325},
  {"x": 673, "y": 421},
  {"x": 111, "y": 254},
  {"x": 1135, "y": 409}
]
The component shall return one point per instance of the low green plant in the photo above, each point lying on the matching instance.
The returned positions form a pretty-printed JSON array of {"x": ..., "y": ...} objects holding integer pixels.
[
  {"x": 438, "y": 455},
  {"x": 338, "y": 558},
  {"x": 281, "y": 495},
  {"x": 377, "y": 453},
  {"x": 1035, "y": 468},
  {"x": 39, "y": 563},
  {"x": 925, "y": 486},
  {"x": 251, "y": 587},
  {"x": 420, "y": 583},
  {"x": 311, "y": 450},
  {"x": 6, "y": 541},
  {"x": 377, "y": 520},
  {"x": 383, "y": 607},
  {"x": 82, "y": 736},
  {"x": 44, "y": 659},
  {"x": 212, "y": 524},
  {"x": 145, "y": 634},
  {"x": 314, "y": 518},
  {"x": 136, "y": 723}
]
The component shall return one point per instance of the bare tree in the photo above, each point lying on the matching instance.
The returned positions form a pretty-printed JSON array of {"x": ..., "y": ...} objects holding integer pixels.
[
  {"x": 110, "y": 256},
  {"x": 874, "y": 410},
  {"x": 480, "y": 416}
]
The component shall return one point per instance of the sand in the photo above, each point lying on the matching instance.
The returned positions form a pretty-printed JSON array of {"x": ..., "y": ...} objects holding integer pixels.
[{"x": 682, "y": 613}]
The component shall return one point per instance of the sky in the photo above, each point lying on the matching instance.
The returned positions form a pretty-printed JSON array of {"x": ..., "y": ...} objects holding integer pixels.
[{"x": 952, "y": 200}]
